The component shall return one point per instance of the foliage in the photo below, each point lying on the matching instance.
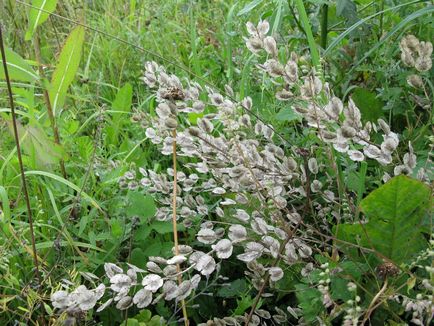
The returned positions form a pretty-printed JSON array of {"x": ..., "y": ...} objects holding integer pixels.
[{"x": 303, "y": 154}]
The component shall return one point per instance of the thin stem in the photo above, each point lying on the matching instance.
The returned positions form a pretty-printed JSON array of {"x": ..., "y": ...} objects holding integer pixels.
[
  {"x": 324, "y": 23},
  {"x": 373, "y": 302},
  {"x": 380, "y": 32},
  {"x": 20, "y": 162},
  {"x": 47, "y": 100},
  {"x": 174, "y": 223}
]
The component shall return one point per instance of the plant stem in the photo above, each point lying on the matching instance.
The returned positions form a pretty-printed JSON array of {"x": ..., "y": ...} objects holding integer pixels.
[
  {"x": 174, "y": 223},
  {"x": 20, "y": 162},
  {"x": 324, "y": 25},
  {"x": 47, "y": 100},
  {"x": 380, "y": 33}
]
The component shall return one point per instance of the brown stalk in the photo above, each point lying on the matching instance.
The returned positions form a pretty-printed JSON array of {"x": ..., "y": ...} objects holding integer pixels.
[
  {"x": 20, "y": 162},
  {"x": 37, "y": 42},
  {"x": 174, "y": 223}
]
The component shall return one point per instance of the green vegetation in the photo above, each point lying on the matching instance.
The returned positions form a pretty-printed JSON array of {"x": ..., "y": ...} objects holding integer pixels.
[{"x": 298, "y": 190}]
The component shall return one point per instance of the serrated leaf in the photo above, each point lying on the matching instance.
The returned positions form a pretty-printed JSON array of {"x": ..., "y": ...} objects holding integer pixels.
[
  {"x": 18, "y": 68},
  {"x": 395, "y": 212},
  {"x": 67, "y": 66},
  {"x": 39, "y": 13}
]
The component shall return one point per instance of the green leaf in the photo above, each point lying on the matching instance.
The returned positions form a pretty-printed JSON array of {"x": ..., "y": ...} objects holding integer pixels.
[
  {"x": 123, "y": 99},
  {"x": 122, "y": 103},
  {"x": 163, "y": 227},
  {"x": 249, "y": 7},
  {"x": 310, "y": 301},
  {"x": 243, "y": 304},
  {"x": 395, "y": 212},
  {"x": 67, "y": 67},
  {"x": 140, "y": 205},
  {"x": 142, "y": 233},
  {"x": 233, "y": 289},
  {"x": 39, "y": 13},
  {"x": 287, "y": 114},
  {"x": 5, "y": 210},
  {"x": 116, "y": 228},
  {"x": 368, "y": 103},
  {"x": 37, "y": 144},
  {"x": 138, "y": 257},
  {"x": 18, "y": 68},
  {"x": 345, "y": 8}
]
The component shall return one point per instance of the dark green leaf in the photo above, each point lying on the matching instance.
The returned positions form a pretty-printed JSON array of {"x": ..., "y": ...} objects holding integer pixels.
[
  {"x": 395, "y": 212},
  {"x": 140, "y": 205},
  {"x": 368, "y": 103}
]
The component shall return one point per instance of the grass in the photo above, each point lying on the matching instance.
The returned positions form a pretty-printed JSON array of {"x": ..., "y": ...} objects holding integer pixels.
[{"x": 81, "y": 216}]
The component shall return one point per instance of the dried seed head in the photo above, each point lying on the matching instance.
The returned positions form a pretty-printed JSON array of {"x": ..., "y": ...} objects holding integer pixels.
[
  {"x": 172, "y": 93},
  {"x": 171, "y": 123},
  {"x": 313, "y": 165},
  {"x": 347, "y": 132},
  {"x": 387, "y": 269},
  {"x": 415, "y": 81},
  {"x": 423, "y": 64},
  {"x": 263, "y": 27},
  {"x": 270, "y": 46},
  {"x": 205, "y": 125}
]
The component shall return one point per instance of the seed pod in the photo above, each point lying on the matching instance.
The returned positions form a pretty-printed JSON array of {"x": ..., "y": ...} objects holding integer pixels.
[{"x": 171, "y": 123}]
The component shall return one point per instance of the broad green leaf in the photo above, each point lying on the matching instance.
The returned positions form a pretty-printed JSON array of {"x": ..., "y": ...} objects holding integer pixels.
[
  {"x": 310, "y": 301},
  {"x": 39, "y": 13},
  {"x": 140, "y": 205},
  {"x": 368, "y": 103},
  {"x": 5, "y": 211},
  {"x": 287, "y": 114},
  {"x": 234, "y": 289},
  {"x": 122, "y": 103},
  {"x": 36, "y": 144},
  {"x": 18, "y": 68},
  {"x": 163, "y": 227},
  {"x": 395, "y": 212},
  {"x": 5, "y": 214},
  {"x": 123, "y": 99},
  {"x": 345, "y": 8},
  {"x": 67, "y": 67}
]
